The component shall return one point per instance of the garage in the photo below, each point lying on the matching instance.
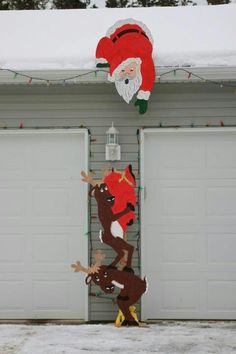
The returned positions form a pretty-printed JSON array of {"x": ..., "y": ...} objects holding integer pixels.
[
  {"x": 56, "y": 107},
  {"x": 43, "y": 219},
  {"x": 189, "y": 223}
]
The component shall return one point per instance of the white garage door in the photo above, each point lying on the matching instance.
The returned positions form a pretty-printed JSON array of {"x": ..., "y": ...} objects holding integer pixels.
[
  {"x": 43, "y": 219},
  {"x": 189, "y": 223}
]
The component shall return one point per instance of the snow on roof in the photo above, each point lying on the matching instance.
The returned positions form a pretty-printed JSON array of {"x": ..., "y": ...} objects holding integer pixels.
[{"x": 67, "y": 39}]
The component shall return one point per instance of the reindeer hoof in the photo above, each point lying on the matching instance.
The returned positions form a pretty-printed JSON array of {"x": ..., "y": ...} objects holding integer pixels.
[
  {"x": 129, "y": 323},
  {"x": 127, "y": 269},
  {"x": 130, "y": 206}
]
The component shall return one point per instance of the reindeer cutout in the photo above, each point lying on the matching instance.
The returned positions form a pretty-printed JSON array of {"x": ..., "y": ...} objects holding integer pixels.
[
  {"x": 131, "y": 286},
  {"x": 121, "y": 185},
  {"x": 111, "y": 235}
]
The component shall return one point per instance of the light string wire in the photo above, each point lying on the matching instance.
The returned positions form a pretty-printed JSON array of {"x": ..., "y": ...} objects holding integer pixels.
[{"x": 70, "y": 78}]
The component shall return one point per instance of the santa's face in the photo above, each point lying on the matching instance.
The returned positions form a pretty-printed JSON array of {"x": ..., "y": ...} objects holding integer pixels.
[
  {"x": 128, "y": 81},
  {"x": 128, "y": 71}
]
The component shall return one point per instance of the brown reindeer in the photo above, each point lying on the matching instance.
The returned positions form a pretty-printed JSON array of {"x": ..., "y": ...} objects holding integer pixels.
[
  {"x": 131, "y": 286},
  {"x": 105, "y": 203}
]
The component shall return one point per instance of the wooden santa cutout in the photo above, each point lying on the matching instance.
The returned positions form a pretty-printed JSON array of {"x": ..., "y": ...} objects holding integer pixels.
[{"x": 127, "y": 50}]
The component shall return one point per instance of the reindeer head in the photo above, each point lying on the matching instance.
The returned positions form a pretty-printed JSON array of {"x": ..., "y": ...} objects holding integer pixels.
[
  {"x": 102, "y": 278},
  {"x": 101, "y": 275},
  {"x": 102, "y": 195}
]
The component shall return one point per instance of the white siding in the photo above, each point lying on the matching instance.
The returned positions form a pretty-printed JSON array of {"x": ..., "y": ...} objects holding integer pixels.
[{"x": 95, "y": 107}]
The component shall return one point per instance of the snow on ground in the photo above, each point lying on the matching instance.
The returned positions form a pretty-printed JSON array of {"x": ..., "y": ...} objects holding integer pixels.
[
  {"x": 67, "y": 39},
  {"x": 166, "y": 337}
]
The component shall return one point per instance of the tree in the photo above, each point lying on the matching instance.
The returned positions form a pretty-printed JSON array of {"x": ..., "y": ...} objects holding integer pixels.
[
  {"x": 70, "y": 4},
  {"x": 150, "y": 3},
  {"x": 23, "y": 4},
  {"x": 4, "y": 5},
  {"x": 117, "y": 3},
  {"x": 218, "y": 2},
  {"x": 186, "y": 3}
]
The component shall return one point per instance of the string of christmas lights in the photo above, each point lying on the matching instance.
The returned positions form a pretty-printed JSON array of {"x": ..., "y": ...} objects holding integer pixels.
[{"x": 63, "y": 81}]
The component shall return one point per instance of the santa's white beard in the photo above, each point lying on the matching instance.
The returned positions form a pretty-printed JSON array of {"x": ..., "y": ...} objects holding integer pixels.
[{"x": 127, "y": 91}]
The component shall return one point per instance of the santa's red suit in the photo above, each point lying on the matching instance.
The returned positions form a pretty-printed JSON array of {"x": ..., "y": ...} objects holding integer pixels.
[
  {"x": 127, "y": 41},
  {"x": 121, "y": 186}
]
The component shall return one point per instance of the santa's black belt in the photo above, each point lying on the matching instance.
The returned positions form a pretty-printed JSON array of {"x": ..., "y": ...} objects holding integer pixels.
[{"x": 120, "y": 34}]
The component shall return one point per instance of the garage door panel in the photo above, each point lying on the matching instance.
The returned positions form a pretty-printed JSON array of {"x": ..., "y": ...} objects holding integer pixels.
[
  {"x": 54, "y": 295},
  {"x": 12, "y": 202},
  {"x": 180, "y": 295},
  {"x": 221, "y": 248},
  {"x": 174, "y": 295},
  {"x": 168, "y": 202},
  {"x": 221, "y": 201},
  {"x": 50, "y": 294},
  {"x": 223, "y": 155},
  {"x": 60, "y": 158},
  {"x": 9, "y": 254},
  {"x": 221, "y": 295},
  {"x": 186, "y": 158},
  {"x": 42, "y": 202},
  {"x": 12, "y": 160},
  {"x": 175, "y": 249},
  {"x": 57, "y": 250},
  {"x": 170, "y": 198},
  {"x": 178, "y": 159},
  {"x": 12, "y": 296},
  {"x": 189, "y": 223},
  {"x": 50, "y": 202},
  {"x": 179, "y": 248},
  {"x": 56, "y": 202}
]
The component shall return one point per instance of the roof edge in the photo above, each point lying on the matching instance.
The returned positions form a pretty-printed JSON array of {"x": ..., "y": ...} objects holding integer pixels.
[{"x": 163, "y": 75}]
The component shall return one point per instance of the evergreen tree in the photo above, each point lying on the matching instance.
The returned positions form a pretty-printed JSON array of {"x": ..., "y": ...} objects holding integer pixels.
[
  {"x": 149, "y": 3},
  {"x": 4, "y": 5},
  {"x": 186, "y": 2},
  {"x": 117, "y": 3},
  {"x": 23, "y": 4},
  {"x": 218, "y": 2},
  {"x": 70, "y": 4}
]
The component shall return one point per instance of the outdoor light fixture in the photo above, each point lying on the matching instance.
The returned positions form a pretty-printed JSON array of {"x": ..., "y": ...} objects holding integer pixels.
[{"x": 112, "y": 146}]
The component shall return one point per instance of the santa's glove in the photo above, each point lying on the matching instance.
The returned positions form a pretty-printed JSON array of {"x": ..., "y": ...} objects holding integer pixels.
[
  {"x": 143, "y": 105},
  {"x": 103, "y": 65}
]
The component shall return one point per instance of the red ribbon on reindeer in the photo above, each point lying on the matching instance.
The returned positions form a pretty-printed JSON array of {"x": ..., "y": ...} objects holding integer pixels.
[{"x": 127, "y": 50}]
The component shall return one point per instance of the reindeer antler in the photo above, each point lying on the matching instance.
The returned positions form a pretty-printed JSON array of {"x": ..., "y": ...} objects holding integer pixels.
[
  {"x": 88, "y": 178},
  {"x": 99, "y": 256},
  {"x": 79, "y": 268}
]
